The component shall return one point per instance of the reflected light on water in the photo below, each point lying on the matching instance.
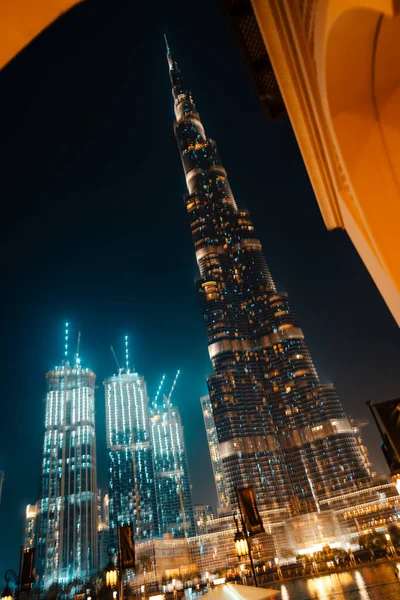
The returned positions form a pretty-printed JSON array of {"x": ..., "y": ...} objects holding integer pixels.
[
  {"x": 375, "y": 582},
  {"x": 319, "y": 588},
  {"x": 323, "y": 587},
  {"x": 345, "y": 578},
  {"x": 361, "y": 586},
  {"x": 284, "y": 593}
]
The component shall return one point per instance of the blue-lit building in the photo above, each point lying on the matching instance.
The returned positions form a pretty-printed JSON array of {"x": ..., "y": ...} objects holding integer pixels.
[
  {"x": 174, "y": 495},
  {"x": 67, "y": 510},
  {"x": 132, "y": 494}
]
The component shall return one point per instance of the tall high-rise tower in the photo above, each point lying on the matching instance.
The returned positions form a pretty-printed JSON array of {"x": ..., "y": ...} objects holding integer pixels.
[
  {"x": 215, "y": 455},
  {"x": 174, "y": 495},
  {"x": 132, "y": 497},
  {"x": 67, "y": 519},
  {"x": 31, "y": 513},
  {"x": 279, "y": 428}
]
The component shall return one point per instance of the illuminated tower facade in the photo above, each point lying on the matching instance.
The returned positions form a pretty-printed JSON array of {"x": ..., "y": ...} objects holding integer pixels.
[
  {"x": 103, "y": 529},
  {"x": 215, "y": 455},
  {"x": 31, "y": 513},
  {"x": 132, "y": 495},
  {"x": 174, "y": 495},
  {"x": 357, "y": 425},
  {"x": 279, "y": 428},
  {"x": 67, "y": 518}
]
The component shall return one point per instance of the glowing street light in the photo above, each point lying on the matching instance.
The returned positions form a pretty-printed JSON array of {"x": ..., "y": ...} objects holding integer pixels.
[
  {"x": 111, "y": 571},
  {"x": 111, "y": 577},
  {"x": 242, "y": 547},
  {"x": 7, "y": 593}
]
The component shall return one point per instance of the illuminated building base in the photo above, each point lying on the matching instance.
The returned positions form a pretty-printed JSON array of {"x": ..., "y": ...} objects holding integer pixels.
[
  {"x": 348, "y": 517},
  {"x": 214, "y": 551},
  {"x": 396, "y": 479},
  {"x": 312, "y": 532}
]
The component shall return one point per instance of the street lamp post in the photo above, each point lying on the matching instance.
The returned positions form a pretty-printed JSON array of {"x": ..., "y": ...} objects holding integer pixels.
[
  {"x": 112, "y": 571},
  {"x": 243, "y": 548},
  {"x": 7, "y": 593}
]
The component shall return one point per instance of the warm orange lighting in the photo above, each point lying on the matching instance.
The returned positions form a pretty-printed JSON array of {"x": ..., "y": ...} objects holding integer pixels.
[
  {"x": 111, "y": 577},
  {"x": 7, "y": 595},
  {"x": 332, "y": 101},
  {"x": 22, "y": 20},
  {"x": 242, "y": 548}
]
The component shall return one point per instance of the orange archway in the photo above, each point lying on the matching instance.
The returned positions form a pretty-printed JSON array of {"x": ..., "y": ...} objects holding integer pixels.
[
  {"x": 23, "y": 20},
  {"x": 337, "y": 65},
  {"x": 360, "y": 89}
]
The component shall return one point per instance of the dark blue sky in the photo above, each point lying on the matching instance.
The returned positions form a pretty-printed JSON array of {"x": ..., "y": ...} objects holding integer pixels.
[{"x": 94, "y": 229}]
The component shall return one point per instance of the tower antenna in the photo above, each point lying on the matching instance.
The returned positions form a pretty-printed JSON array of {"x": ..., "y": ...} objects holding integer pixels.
[
  {"x": 126, "y": 354},
  {"x": 166, "y": 42},
  {"x": 159, "y": 390},
  {"x": 116, "y": 359},
  {"x": 78, "y": 345},
  {"x": 66, "y": 340},
  {"x": 173, "y": 386}
]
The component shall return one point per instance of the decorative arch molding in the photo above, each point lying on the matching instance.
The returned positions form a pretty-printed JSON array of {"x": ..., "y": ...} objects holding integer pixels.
[
  {"x": 360, "y": 91},
  {"x": 336, "y": 63}
]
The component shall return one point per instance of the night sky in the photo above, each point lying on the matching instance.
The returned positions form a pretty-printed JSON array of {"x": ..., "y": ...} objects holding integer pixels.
[{"x": 94, "y": 230}]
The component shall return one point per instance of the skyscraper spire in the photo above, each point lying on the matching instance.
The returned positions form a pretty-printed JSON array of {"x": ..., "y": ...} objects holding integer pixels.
[
  {"x": 78, "y": 344},
  {"x": 166, "y": 43},
  {"x": 158, "y": 391},
  {"x": 173, "y": 387},
  {"x": 178, "y": 86},
  {"x": 200, "y": 158},
  {"x": 126, "y": 354},
  {"x": 279, "y": 428},
  {"x": 66, "y": 341}
]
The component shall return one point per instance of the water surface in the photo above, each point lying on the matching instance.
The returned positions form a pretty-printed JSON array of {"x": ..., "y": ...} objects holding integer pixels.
[{"x": 366, "y": 583}]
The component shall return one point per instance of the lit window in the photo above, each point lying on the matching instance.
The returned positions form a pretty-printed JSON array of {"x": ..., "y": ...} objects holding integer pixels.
[{"x": 285, "y": 326}]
